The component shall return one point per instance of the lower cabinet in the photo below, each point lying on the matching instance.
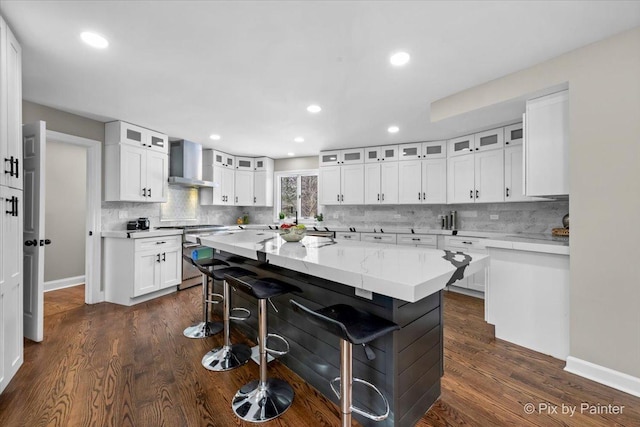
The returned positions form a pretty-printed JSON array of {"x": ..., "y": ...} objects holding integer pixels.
[
  {"x": 418, "y": 240},
  {"x": 139, "y": 269},
  {"x": 347, "y": 235},
  {"x": 475, "y": 282}
]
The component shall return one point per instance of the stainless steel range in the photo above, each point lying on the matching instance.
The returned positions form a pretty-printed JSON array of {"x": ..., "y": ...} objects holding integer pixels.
[{"x": 188, "y": 270}]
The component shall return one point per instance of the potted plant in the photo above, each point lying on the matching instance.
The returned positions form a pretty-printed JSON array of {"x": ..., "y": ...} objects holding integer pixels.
[{"x": 282, "y": 216}]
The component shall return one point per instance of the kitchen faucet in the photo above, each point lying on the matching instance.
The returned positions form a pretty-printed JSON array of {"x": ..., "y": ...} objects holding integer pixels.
[{"x": 296, "y": 220}]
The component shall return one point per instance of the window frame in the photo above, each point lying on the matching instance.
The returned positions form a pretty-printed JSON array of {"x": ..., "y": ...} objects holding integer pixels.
[{"x": 277, "y": 207}]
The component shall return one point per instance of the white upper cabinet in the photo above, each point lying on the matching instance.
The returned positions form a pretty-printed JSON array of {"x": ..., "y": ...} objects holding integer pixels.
[
  {"x": 489, "y": 140},
  {"x": 329, "y": 187},
  {"x": 341, "y": 157},
  {"x": 411, "y": 151},
  {"x": 489, "y": 177},
  {"x": 381, "y": 183},
  {"x": 126, "y": 133},
  {"x": 372, "y": 182},
  {"x": 263, "y": 181},
  {"x": 223, "y": 159},
  {"x": 461, "y": 179},
  {"x": 387, "y": 153},
  {"x": 263, "y": 164},
  {"x": 342, "y": 185},
  {"x": 513, "y": 183},
  {"x": 244, "y": 187},
  {"x": 434, "y": 181},
  {"x": 546, "y": 145},
  {"x": 460, "y": 146},
  {"x": 434, "y": 150},
  {"x": 410, "y": 182},
  {"x": 513, "y": 134},
  {"x": 245, "y": 163}
]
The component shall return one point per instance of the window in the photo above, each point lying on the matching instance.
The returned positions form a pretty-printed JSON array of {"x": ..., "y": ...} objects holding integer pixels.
[{"x": 297, "y": 192}]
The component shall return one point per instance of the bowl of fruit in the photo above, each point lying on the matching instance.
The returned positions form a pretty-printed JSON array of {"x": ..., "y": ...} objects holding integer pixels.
[{"x": 292, "y": 232}]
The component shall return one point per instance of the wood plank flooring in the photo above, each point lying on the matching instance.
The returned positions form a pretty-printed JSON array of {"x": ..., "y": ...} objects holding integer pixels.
[{"x": 107, "y": 365}]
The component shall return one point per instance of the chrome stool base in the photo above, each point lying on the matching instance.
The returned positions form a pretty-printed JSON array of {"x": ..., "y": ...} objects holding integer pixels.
[
  {"x": 226, "y": 357},
  {"x": 202, "y": 330},
  {"x": 258, "y": 403}
]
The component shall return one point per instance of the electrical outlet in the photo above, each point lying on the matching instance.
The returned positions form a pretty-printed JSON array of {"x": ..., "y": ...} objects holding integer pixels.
[
  {"x": 494, "y": 216},
  {"x": 123, "y": 214}
]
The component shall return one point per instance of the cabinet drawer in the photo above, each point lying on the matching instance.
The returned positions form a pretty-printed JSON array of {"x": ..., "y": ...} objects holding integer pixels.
[
  {"x": 468, "y": 243},
  {"x": 159, "y": 243},
  {"x": 378, "y": 238},
  {"x": 347, "y": 235},
  {"x": 417, "y": 239}
]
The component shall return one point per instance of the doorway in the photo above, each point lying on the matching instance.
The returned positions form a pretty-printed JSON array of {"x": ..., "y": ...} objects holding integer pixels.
[{"x": 93, "y": 223}]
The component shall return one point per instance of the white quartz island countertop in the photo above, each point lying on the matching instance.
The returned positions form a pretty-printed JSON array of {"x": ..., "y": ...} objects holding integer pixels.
[{"x": 406, "y": 273}]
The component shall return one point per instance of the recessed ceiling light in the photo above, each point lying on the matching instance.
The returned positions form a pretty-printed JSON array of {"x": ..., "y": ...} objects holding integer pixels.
[
  {"x": 291, "y": 154},
  {"x": 214, "y": 136},
  {"x": 393, "y": 129},
  {"x": 94, "y": 40},
  {"x": 399, "y": 59},
  {"x": 298, "y": 139},
  {"x": 314, "y": 108}
]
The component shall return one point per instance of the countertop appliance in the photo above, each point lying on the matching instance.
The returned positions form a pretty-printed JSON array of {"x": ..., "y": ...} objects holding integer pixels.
[
  {"x": 188, "y": 270},
  {"x": 143, "y": 223},
  {"x": 185, "y": 164}
]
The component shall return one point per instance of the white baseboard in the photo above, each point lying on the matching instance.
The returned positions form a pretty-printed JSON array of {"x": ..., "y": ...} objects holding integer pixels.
[
  {"x": 600, "y": 374},
  {"x": 63, "y": 283}
]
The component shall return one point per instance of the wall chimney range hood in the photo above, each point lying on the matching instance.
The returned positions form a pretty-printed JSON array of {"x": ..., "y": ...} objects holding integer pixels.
[{"x": 185, "y": 164}]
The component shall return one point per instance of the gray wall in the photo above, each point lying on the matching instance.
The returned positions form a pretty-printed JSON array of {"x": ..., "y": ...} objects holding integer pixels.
[
  {"x": 296, "y": 163},
  {"x": 604, "y": 129},
  {"x": 65, "y": 214}
]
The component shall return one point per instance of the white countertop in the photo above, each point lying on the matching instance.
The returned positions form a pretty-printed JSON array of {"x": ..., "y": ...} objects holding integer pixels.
[
  {"x": 403, "y": 272},
  {"x": 140, "y": 234}
]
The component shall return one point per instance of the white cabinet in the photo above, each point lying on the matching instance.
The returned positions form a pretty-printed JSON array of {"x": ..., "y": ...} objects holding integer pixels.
[
  {"x": 138, "y": 269},
  {"x": 347, "y": 235},
  {"x": 434, "y": 150},
  {"x": 389, "y": 238},
  {"x": 418, "y": 240},
  {"x": 126, "y": 133},
  {"x": 411, "y": 151},
  {"x": 341, "y": 157},
  {"x": 245, "y": 163},
  {"x": 423, "y": 181},
  {"x": 342, "y": 185},
  {"x": 477, "y": 177},
  {"x": 546, "y": 145},
  {"x": 489, "y": 140},
  {"x": 11, "y": 283},
  {"x": 381, "y": 183},
  {"x": 513, "y": 184},
  {"x": 244, "y": 187},
  {"x": 386, "y": 153},
  {"x": 513, "y": 135},
  {"x": 460, "y": 146},
  {"x": 215, "y": 168},
  {"x": 221, "y": 159},
  {"x": 263, "y": 182},
  {"x": 135, "y": 174},
  {"x": 10, "y": 109}
]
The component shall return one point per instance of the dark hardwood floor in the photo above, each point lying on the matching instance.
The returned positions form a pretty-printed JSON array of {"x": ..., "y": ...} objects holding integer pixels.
[{"x": 107, "y": 365}]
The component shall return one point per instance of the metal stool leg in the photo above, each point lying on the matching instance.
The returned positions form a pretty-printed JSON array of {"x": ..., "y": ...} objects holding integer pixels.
[
  {"x": 267, "y": 398},
  {"x": 228, "y": 356},
  {"x": 205, "y": 328},
  {"x": 346, "y": 382}
]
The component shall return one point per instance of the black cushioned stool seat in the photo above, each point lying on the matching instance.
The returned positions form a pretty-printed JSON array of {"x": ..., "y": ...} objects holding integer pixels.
[
  {"x": 352, "y": 326},
  {"x": 267, "y": 398}
]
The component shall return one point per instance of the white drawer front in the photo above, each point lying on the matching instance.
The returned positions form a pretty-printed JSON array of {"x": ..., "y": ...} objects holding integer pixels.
[
  {"x": 347, "y": 235},
  {"x": 158, "y": 242},
  {"x": 378, "y": 238},
  {"x": 468, "y": 243},
  {"x": 417, "y": 239}
]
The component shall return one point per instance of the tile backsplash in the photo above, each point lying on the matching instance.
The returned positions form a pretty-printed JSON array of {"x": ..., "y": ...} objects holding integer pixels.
[{"x": 524, "y": 217}]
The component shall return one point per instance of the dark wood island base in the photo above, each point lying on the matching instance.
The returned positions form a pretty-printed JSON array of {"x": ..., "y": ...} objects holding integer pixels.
[{"x": 408, "y": 363}]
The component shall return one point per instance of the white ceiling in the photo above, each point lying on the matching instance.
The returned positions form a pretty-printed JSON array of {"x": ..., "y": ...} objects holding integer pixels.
[{"x": 248, "y": 70}]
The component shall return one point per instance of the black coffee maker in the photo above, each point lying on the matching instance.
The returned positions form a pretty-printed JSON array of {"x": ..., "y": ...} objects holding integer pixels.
[{"x": 143, "y": 223}]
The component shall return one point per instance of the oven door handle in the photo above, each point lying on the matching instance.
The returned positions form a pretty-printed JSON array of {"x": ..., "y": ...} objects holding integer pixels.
[{"x": 187, "y": 245}]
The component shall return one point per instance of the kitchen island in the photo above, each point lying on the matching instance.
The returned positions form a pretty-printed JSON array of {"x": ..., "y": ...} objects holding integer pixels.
[{"x": 402, "y": 284}]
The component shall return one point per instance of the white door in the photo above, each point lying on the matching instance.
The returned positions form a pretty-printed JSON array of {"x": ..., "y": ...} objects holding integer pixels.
[
  {"x": 228, "y": 185},
  {"x": 11, "y": 290},
  {"x": 352, "y": 184},
  {"x": 372, "y": 183},
  {"x": 434, "y": 181},
  {"x": 389, "y": 183},
  {"x": 14, "y": 108},
  {"x": 147, "y": 272},
  {"x": 513, "y": 185},
  {"x": 34, "y": 233},
  {"x": 132, "y": 173},
  {"x": 460, "y": 179},
  {"x": 489, "y": 176},
  {"x": 157, "y": 171},
  {"x": 330, "y": 185},
  {"x": 410, "y": 182},
  {"x": 171, "y": 268},
  {"x": 244, "y": 186}
]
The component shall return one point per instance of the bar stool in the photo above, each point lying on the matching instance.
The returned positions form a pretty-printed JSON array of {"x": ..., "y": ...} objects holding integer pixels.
[
  {"x": 267, "y": 398},
  {"x": 205, "y": 328},
  {"x": 229, "y": 356},
  {"x": 352, "y": 326}
]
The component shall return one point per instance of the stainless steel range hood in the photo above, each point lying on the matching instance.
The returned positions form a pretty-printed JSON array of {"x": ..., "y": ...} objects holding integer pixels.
[{"x": 185, "y": 164}]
